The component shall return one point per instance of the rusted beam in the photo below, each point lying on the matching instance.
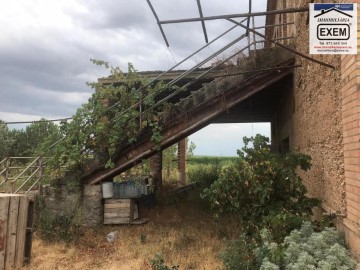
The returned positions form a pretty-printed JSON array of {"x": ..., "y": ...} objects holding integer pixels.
[
  {"x": 202, "y": 21},
  {"x": 283, "y": 46},
  {"x": 239, "y": 15},
  {"x": 158, "y": 21},
  {"x": 273, "y": 25},
  {"x": 248, "y": 21}
]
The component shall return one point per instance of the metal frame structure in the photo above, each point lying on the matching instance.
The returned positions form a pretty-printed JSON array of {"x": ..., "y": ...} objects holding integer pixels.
[
  {"x": 19, "y": 176},
  {"x": 231, "y": 17}
]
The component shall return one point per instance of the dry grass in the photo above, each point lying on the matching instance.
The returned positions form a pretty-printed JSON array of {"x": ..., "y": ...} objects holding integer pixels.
[{"x": 185, "y": 235}]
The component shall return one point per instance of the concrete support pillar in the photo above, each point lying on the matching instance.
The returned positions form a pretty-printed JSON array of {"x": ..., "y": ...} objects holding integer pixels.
[
  {"x": 156, "y": 170},
  {"x": 182, "y": 161}
]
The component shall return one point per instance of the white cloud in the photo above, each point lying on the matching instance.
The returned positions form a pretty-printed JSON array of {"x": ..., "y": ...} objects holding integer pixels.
[
  {"x": 225, "y": 139},
  {"x": 45, "y": 47}
]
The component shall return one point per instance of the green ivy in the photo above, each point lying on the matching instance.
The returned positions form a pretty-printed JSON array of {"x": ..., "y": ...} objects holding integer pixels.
[{"x": 99, "y": 130}]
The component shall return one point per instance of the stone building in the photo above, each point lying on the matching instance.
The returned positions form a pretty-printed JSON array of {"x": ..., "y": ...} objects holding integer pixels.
[{"x": 319, "y": 116}]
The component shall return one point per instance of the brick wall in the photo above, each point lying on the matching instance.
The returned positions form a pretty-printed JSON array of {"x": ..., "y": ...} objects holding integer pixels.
[{"x": 350, "y": 95}]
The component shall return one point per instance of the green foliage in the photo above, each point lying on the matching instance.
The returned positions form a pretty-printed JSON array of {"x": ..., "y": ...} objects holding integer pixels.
[
  {"x": 29, "y": 142},
  {"x": 205, "y": 175},
  {"x": 6, "y": 140},
  {"x": 303, "y": 249},
  {"x": 58, "y": 228},
  {"x": 264, "y": 187},
  {"x": 110, "y": 118},
  {"x": 169, "y": 157},
  {"x": 158, "y": 263},
  {"x": 204, "y": 160},
  {"x": 306, "y": 249},
  {"x": 239, "y": 254}
]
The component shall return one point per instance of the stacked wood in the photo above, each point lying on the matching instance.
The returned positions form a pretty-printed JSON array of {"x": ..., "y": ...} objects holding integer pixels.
[
  {"x": 13, "y": 230},
  {"x": 120, "y": 211}
]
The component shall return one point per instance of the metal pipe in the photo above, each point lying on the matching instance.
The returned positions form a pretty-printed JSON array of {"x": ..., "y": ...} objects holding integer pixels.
[
  {"x": 27, "y": 180},
  {"x": 248, "y": 21},
  {"x": 239, "y": 15},
  {"x": 283, "y": 46},
  {"x": 197, "y": 78},
  {"x": 202, "y": 21},
  {"x": 32, "y": 186},
  {"x": 3, "y": 161},
  {"x": 272, "y": 25},
  {"x": 257, "y": 70},
  {"x": 21, "y": 157},
  {"x": 157, "y": 20},
  {"x": 187, "y": 72},
  {"x": 21, "y": 174},
  {"x": 275, "y": 39},
  {"x": 206, "y": 60},
  {"x": 178, "y": 64}
]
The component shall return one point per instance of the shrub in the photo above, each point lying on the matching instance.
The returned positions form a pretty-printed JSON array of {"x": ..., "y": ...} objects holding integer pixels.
[
  {"x": 239, "y": 254},
  {"x": 158, "y": 263},
  {"x": 301, "y": 250},
  {"x": 264, "y": 187},
  {"x": 306, "y": 249},
  {"x": 204, "y": 174}
]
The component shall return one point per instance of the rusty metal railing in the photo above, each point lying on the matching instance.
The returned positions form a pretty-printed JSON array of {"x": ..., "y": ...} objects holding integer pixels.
[{"x": 20, "y": 174}]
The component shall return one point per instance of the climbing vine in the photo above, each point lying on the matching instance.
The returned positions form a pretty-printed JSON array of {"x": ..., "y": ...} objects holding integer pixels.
[{"x": 120, "y": 111}]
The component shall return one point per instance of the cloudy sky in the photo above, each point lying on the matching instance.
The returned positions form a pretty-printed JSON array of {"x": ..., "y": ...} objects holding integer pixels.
[{"x": 45, "y": 47}]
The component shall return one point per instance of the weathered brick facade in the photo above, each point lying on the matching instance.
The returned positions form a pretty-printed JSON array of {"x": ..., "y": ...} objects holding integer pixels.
[
  {"x": 350, "y": 95},
  {"x": 320, "y": 116}
]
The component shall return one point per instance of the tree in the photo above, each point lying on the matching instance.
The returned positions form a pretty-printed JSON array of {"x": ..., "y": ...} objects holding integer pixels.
[
  {"x": 6, "y": 140},
  {"x": 263, "y": 187}
]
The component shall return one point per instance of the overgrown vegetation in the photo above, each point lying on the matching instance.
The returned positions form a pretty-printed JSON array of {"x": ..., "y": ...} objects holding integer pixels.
[
  {"x": 110, "y": 118},
  {"x": 264, "y": 188},
  {"x": 28, "y": 142},
  {"x": 205, "y": 170},
  {"x": 158, "y": 263},
  {"x": 53, "y": 228},
  {"x": 305, "y": 249}
]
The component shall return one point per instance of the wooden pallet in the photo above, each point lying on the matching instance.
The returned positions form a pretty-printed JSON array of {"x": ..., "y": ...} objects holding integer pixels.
[
  {"x": 15, "y": 230},
  {"x": 120, "y": 211}
]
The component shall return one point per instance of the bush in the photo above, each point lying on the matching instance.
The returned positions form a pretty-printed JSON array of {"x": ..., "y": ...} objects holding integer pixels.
[
  {"x": 264, "y": 188},
  {"x": 306, "y": 249},
  {"x": 204, "y": 175},
  {"x": 301, "y": 250},
  {"x": 158, "y": 263},
  {"x": 239, "y": 254}
]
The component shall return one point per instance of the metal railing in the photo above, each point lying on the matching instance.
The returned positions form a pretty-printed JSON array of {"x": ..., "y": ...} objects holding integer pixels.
[{"x": 20, "y": 174}]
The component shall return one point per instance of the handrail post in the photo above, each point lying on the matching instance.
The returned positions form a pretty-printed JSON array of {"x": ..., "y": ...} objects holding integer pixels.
[
  {"x": 40, "y": 175},
  {"x": 7, "y": 172}
]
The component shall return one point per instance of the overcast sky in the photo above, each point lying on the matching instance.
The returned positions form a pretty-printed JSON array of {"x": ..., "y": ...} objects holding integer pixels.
[{"x": 45, "y": 46}]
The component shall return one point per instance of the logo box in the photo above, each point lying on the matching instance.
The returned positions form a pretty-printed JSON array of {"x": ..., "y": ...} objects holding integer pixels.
[{"x": 333, "y": 29}]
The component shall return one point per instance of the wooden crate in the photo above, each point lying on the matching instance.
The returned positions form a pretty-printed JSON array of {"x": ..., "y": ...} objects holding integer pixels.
[
  {"x": 120, "y": 211},
  {"x": 14, "y": 230}
]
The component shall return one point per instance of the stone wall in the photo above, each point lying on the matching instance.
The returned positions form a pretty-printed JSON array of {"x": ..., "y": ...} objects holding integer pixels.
[
  {"x": 84, "y": 208},
  {"x": 310, "y": 117},
  {"x": 324, "y": 115}
]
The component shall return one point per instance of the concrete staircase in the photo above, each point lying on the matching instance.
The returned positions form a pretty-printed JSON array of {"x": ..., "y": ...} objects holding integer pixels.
[{"x": 195, "y": 111}]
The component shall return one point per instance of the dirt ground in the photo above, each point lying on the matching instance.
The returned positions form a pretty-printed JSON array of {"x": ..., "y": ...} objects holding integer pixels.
[{"x": 185, "y": 235}]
